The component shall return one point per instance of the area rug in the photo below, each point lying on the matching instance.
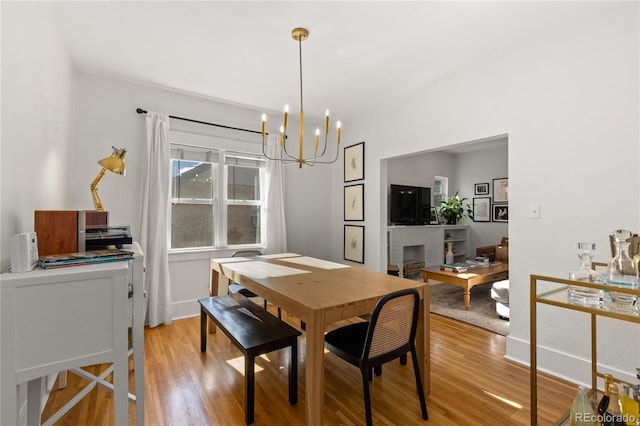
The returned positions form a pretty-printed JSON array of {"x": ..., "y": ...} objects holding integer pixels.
[{"x": 448, "y": 300}]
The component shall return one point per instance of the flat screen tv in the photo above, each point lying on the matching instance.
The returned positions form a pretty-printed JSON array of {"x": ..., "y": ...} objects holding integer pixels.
[{"x": 409, "y": 205}]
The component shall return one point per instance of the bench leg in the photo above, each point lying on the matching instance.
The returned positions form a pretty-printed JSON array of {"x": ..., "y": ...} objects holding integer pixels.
[
  {"x": 249, "y": 387},
  {"x": 293, "y": 372},
  {"x": 203, "y": 330}
]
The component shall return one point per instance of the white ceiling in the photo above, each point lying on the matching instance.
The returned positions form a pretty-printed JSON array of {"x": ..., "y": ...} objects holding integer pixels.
[{"x": 359, "y": 54}]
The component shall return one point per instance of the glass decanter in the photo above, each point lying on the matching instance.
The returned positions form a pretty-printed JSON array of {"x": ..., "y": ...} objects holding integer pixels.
[
  {"x": 586, "y": 295},
  {"x": 623, "y": 272}
]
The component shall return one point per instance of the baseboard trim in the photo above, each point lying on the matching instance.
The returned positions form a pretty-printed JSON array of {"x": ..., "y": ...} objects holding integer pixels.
[{"x": 559, "y": 364}]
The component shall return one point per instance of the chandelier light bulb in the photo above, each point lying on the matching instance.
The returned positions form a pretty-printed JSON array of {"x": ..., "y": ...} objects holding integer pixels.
[{"x": 286, "y": 117}]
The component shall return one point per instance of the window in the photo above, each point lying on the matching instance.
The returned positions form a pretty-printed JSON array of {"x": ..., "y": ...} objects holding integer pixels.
[
  {"x": 217, "y": 198},
  {"x": 245, "y": 207},
  {"x": 440, "y": 190}
]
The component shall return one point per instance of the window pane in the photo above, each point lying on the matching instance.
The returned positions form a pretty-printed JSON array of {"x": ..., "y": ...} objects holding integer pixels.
[
  {"x": 243, "y": 225},
  {"x": 243, "y": 183},
  {"x": 440, "y": 189},
  {"x": 191, "y": 179},
  {"x": 192, "y": 225}
]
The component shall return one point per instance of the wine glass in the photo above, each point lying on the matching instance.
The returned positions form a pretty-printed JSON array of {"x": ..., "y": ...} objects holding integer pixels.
[{"x": 586, "y": 251}]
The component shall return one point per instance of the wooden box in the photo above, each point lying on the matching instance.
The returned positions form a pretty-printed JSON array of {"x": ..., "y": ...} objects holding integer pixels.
[
  {"x": 63, "y": 231},
  {"x": 57, "y": 231}
]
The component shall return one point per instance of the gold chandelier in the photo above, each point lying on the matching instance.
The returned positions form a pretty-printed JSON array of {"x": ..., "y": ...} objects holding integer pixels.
[{"x": 301, "y": 34}]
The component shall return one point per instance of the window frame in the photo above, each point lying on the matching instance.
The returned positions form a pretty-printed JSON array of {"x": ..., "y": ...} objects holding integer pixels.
[
  {"x": 220, "y": 201},
  {"x": 444, "y": 186},
  {"x": 226, "y": 201}
]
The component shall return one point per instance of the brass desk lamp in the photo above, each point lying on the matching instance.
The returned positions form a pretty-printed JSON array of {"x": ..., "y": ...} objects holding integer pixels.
[{"x": 113, "y": 163}]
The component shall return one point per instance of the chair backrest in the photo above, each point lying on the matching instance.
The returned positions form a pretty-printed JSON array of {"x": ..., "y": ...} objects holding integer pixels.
[
  {"x": 393, "y": 325},
  {"x": 247, "y": 253}
]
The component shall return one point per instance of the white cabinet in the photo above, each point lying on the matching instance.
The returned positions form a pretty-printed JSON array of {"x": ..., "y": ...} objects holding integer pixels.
[
  {"x": 55, "y": 320},
  {"x": 62, "y": 319},
  {"x": 426, "y": 243}
]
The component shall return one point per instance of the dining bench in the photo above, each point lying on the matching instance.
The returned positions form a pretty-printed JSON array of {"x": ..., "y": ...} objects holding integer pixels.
[{"x": 255, "y": 332}]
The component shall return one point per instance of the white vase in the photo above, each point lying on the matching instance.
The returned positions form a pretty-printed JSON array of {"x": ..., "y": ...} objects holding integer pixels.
[{"x": 449, "y": 256}]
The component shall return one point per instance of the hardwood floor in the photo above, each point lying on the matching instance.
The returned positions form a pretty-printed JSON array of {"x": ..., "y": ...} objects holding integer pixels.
[{"x": 471, "y": 384}]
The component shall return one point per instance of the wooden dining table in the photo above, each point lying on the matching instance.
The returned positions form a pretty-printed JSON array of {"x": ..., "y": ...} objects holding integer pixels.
[{"x": 319, "y": 293}]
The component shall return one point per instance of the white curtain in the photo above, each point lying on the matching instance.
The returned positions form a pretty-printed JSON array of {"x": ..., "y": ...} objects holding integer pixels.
[
  {"x": 154, "y": 218},
  {"x": 276, "y": 226}
]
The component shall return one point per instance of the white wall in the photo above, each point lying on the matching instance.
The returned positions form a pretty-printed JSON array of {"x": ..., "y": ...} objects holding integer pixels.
[
  {"x": 308, "y": 210},
  {"x": 37, "y": 107},
  {"x": 420, "y": 169},
  {"x": 482, "y": 167},
  {"x": 570, "y": 109},
  {"x": 106, "y": 116}
]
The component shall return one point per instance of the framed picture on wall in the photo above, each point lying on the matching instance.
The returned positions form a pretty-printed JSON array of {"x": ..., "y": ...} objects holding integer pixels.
[
  {"x": 354, "y": 202},
  {"x": 354, "y": 162},
  {"x": 354, "y": 243},
  {"x": 501, "y": 190},
  {"x": 481, "y": 189},
  {"x": 433, "y": 217},
  {"x": 482, "y": 209},
  {"x": 500, "y": 213}
]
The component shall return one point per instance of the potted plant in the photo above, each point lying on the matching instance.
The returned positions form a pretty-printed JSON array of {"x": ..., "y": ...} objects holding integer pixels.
[{"x": 454, "y": 209}]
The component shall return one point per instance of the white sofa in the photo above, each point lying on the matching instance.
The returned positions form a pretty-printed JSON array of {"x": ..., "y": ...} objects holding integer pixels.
[{"x": 500, "y": 293}]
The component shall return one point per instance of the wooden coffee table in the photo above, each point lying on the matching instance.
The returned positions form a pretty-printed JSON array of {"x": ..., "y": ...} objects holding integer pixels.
[{"x": 468, "y": 279}]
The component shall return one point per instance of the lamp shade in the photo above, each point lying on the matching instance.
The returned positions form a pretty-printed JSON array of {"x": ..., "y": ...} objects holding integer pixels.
[{"x": 115, "y": 162}]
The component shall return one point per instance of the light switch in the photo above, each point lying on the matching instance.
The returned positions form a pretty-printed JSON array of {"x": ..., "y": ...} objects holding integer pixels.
[{"x": 534, "y": 211}]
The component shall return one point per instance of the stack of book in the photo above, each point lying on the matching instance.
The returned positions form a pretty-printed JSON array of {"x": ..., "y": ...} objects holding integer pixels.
[
  {"x": 84, "y": 258},
  {"x": 478, "y": 261},
  {"x": 454, "y": 267}
]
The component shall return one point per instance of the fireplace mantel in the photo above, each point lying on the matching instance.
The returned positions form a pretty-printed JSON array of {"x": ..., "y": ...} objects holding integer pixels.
[{"x": 427, "y": 242}]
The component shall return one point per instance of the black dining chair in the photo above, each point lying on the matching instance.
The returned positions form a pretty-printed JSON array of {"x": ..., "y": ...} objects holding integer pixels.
[
  {"x": 389, "y": 335},
  {"x": 237, "y": 288}
]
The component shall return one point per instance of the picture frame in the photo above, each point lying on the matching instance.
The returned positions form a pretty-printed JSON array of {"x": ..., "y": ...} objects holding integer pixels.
[
  {"x": 354, "y": 162},
  {"x": 482, "y": 209},
  {"x": 500, "y": 213},
  {"x": 481, "y": 189},
  {"x": 434, "y": 218},
  {"x": 354, "y": 202},
  {"x": 501, "y": 190},
  {"x": 354, "y": 243}
]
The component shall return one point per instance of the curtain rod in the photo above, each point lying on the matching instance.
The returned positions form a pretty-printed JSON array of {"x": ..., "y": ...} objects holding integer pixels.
[{"x": 141, "y": 111}]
